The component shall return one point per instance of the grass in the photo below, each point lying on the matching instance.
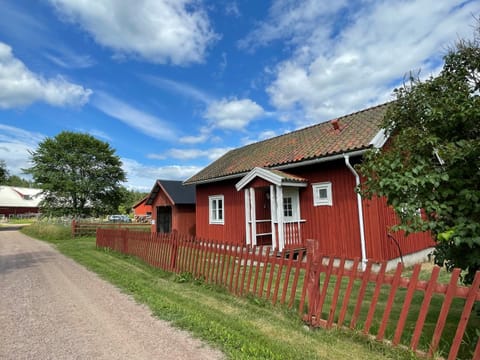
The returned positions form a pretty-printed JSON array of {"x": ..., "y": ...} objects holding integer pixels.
[{"x": 243, "y": 328}]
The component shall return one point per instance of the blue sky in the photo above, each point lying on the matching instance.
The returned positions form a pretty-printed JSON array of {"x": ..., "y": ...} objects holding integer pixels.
[{"x": 171, "y": 85}]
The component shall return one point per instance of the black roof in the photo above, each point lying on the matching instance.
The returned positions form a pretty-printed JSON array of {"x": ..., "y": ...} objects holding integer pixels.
[{"x": 179, "y": 193}]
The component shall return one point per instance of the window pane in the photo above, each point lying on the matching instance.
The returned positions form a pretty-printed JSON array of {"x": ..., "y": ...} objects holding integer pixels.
[{"x": 322, "y": 193}]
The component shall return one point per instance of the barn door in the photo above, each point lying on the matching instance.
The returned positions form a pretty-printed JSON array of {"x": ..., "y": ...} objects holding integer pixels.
[{"x": 164, "y": 219}]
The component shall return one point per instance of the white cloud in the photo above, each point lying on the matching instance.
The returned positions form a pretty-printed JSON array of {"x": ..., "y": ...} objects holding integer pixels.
[
  {"x": 139, "y": 120},
  {"x": 233, "y": 114},
  {"x": 15, "y": 144},
  {"x": 231, "y": 9},
  {"x": 346, "y": 55},
  {"x": 180, "y": 88},
  {"x": 159, "y": 31},
  {"x": 20, "y": 87},
  {"x": 142, "y": 177}
]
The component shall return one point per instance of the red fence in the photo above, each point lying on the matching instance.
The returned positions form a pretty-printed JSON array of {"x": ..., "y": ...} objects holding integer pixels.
[{"x": 425, "y": 316}]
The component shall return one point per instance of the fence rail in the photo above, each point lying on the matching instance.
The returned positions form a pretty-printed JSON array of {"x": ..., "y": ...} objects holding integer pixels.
[
  {"x": 425, "y": 316},
  {"x": 80, "y": 228}
]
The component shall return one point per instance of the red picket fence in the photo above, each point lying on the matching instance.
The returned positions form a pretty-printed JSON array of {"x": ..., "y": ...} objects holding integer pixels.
[{"x": 327, "y": 292}]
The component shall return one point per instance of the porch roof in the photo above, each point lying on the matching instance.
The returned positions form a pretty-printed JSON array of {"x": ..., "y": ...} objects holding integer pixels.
[
  {"x": 276, "y": 177},
  {"x": 349, "y": 133}
]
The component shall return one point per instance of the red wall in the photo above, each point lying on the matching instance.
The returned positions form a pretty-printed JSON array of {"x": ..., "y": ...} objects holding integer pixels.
[
  {"x": 183, "y": 216},
  {"x": 234, "y": 229},
  {"x": 18, "y": 210},
  {"x": 142, "y": 209},
  {"x": 335, "y": 227}
]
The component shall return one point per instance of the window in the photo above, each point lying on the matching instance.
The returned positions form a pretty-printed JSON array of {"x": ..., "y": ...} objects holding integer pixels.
[
  {"x": 215, "y": 204},
  {"x": 287, "y": 207},
  {"x": 322, "y": 194}
]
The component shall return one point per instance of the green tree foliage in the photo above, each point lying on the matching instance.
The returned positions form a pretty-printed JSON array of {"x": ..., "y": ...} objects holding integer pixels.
[
  {"x": 3, "y": 172},
  {"x": 15, "y": 180},
  {"x": 129, "y": 198},
  {"x": 80, "y": 175},
  {"x": 432, "y": 161}
]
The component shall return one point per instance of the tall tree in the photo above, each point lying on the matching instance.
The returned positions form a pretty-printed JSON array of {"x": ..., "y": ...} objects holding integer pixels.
[
  {"x": 80, "y": 175},
  {"x": 433, "y": 159},
  {"x": 3, "y": 172}
]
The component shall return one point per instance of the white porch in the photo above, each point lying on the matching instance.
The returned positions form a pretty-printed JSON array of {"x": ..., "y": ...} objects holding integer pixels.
[{"x": 272, "y": 208}]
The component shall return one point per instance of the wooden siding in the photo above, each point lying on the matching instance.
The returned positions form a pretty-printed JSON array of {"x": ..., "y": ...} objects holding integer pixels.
[
  {"x": 142, "y": 209},
  {"x": 7, "y": 211},
  {"x": 183, "y": 216},
  {"x": 336, "y": 227},
  {"x": 233, "y": 230},
  {"x": 183, "y": 219}
]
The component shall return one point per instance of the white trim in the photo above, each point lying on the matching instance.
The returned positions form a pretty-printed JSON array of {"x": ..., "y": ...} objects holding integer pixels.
[
  {"x": 273, "y": 214},
  {"x": 360, "y": 213},
  {"x": 268, "y": 176},
  {"x": 253, "y": 216},
  {"x": 281, "y": 237},
  {"x": 379, "y": 139},
  {"x": 211, "y": 199},
  {"x": 317, "y": 201},
  {"x": 247, "y": 216}
]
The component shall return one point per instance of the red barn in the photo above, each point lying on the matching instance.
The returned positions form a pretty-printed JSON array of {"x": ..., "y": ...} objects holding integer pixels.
[
  {"x": 173, "y": 207},
  {"x": 18, "y": 201},
  {"x": 299, "y": 186},
  {"x": 141, "y": 210}
]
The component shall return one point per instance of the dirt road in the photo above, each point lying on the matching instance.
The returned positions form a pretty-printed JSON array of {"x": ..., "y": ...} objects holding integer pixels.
[{"x": 52, "y": 308}]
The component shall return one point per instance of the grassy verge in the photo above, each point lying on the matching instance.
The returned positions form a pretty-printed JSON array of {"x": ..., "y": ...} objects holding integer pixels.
[{"x": 243, "y": 328}]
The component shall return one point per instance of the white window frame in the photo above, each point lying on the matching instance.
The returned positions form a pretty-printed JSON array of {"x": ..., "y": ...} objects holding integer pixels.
[
  {"x": 293, "y": 194},
  {"x": 215, "y": 219},
  {"x": 317, "y": 200}
]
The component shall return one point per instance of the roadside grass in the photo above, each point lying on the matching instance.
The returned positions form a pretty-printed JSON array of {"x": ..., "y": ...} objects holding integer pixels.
[{"x": 242, "y": 327}]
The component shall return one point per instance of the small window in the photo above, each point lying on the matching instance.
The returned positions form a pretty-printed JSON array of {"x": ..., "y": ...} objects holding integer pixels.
[
  {"x": 322, "y": 194},
  {"x": 215, "y": 204},
  {"x": 287, "y": 207}
]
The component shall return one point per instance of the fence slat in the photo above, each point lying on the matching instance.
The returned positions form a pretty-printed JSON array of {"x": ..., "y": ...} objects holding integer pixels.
[
  {"x": 467, "y": 309},
  {"x": 336, "y": 292},
  {"x": 424, "y": 308},
  {"x": 391, "y": 299},
  {"x": 348, "y": 292},
  {"x": 442, "y": 318},
  {"x": 361, "y": 294},
  {"x": 376, "y": 294}
]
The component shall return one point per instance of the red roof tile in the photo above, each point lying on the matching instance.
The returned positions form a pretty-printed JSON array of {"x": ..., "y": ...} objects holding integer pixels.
[{"x": 355, "y": 132}]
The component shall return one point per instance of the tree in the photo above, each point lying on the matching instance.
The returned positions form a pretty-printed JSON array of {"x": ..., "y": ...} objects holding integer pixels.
[
  {"x": 3, "y": 172},
  {"x": 79, "y": 174},
  {"x": 15, "y": 180},
  {"x": 432, "y": 160}
]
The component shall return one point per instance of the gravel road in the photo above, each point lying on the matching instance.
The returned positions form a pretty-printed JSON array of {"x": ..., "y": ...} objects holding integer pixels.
[{"x": 53, "y": 308}]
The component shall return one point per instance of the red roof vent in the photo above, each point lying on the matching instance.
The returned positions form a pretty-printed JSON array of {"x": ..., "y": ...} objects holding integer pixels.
[{"x": 335, "y": 124}]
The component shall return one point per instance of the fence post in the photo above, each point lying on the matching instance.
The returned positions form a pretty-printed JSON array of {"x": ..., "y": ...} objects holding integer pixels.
[
  {"x": 313, "y": 282},
  {"x": 74, "y": 224},
  {"x": 173, "y": 255},
  {"x": 125, "y": 241}
]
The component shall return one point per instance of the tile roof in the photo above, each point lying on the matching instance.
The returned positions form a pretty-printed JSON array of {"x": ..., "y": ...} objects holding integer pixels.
[
  {"x": 344, "y": 134},
  {"x": 178, "y": 193}
]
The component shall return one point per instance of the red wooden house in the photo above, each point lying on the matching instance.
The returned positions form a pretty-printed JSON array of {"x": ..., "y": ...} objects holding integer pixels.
[
  {"x": 299, "y": 186},
  {"x": 173, "y": 207},
  {"x": 141, "y": 210}
]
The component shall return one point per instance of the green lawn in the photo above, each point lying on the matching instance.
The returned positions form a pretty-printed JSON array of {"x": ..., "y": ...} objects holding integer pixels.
[{"x": 243, "y": 328}]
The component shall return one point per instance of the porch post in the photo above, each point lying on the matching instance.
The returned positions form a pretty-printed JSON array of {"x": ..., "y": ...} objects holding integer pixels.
[
  {"x": 247, "y": 216},
  {"x": 281, "y": 237},
  {"x": 253, "y": 216},
  {"x": 273, "y": 215}
]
